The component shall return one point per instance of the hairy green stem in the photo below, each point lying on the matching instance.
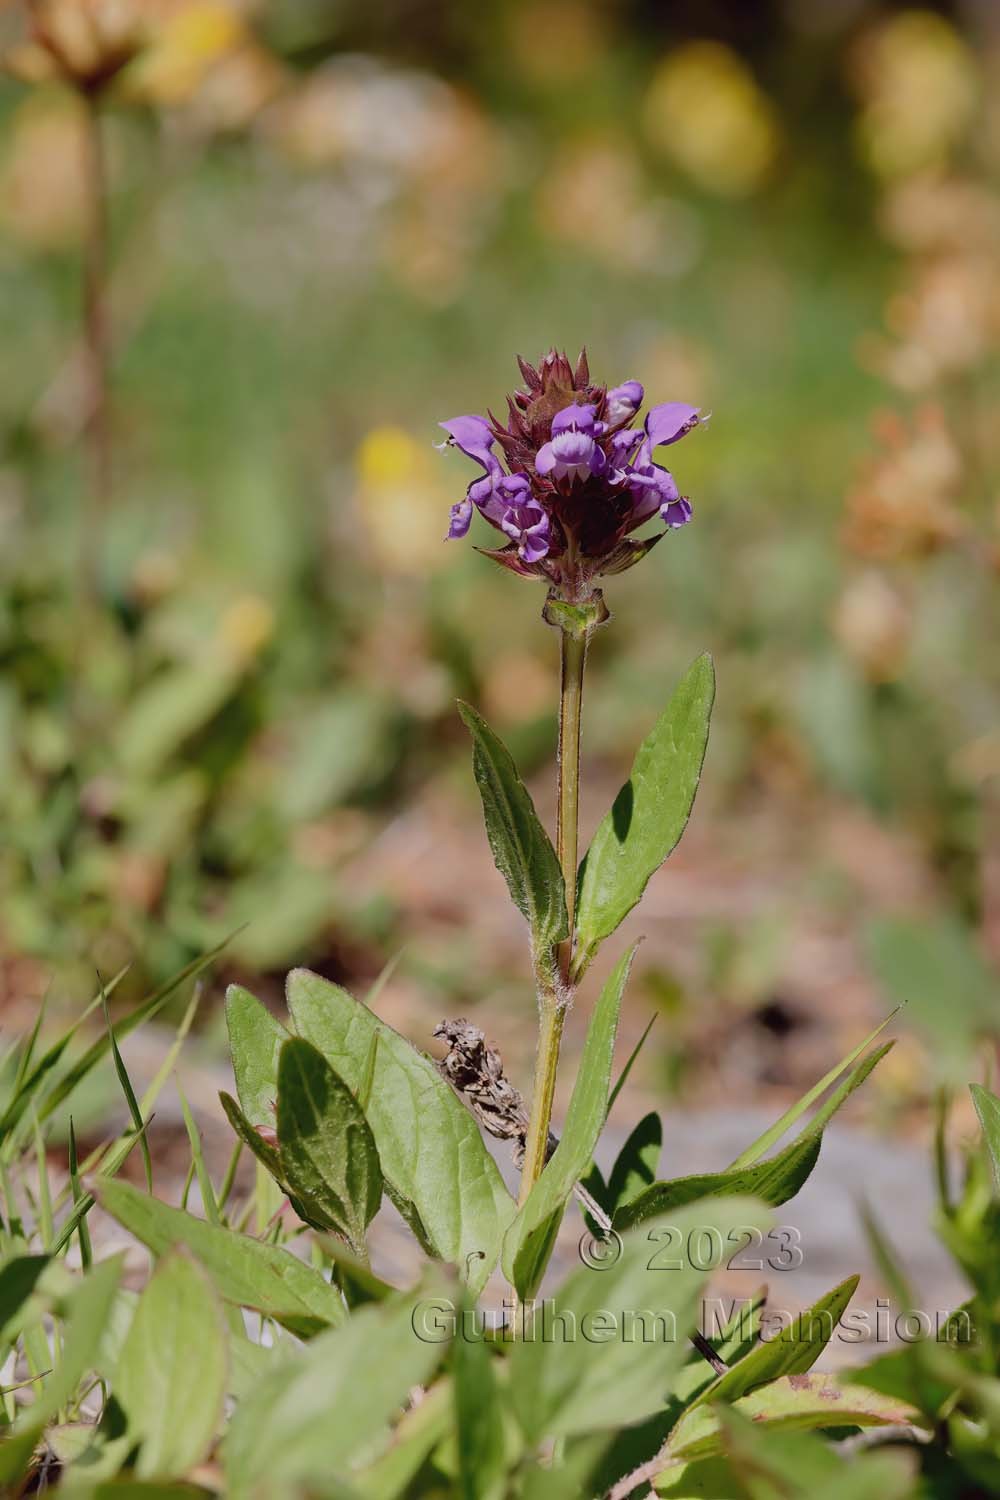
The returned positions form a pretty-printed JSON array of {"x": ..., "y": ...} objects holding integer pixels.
[{"x": 553, "y": 990}]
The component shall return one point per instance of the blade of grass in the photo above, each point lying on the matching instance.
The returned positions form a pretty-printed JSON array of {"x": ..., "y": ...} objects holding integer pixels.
[
  {"x": 142, "y": 1012},
  {"x": 83, "y": 1233},
  {"x": 46, "y": 1223},
  {"x": 166, "y": 1068},
  {"x": 229, "y": 1178},
  {"x": 28, "y": 1051},
  {"x": 205, "y": 1187},
  {"x": 30, "y": 1085},
  {"x": 112, "y": 1163},
  {"x": 780, "y": 1127},
  {"x": 128, "y": 1091}
]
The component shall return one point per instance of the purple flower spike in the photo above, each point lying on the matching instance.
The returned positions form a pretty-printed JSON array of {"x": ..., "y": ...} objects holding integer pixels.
[
  {"x": 670, "y": 422},
  {"x": 624, "y": 401},
  {"x": 567, "y": 478}
]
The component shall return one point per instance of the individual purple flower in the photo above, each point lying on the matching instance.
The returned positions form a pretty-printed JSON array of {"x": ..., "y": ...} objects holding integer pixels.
[
  {"x": 623, "y": 402},
  {"x": 670, "y": 422},
  {"x": 568, "y": 478},
  {"x": 572, "y": 454},
  {"x": 526, "y": 522}
]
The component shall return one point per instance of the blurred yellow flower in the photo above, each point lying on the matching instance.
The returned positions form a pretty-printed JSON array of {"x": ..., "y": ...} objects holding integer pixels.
[
  {"x": 191, "y": 39},
  {"x": 706, "y": 112},
  {"x": 246, "y": 627},
  {"x": 401, "y": 501},
  {"x": 920, "y": 87}
]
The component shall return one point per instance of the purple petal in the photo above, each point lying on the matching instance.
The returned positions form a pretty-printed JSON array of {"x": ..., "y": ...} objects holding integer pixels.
[
  {"x": 668, "y": 423},
  {"x": 624, "y": 401},
  {"x": 676, "y": 512},
  {"x": 472, "y": 436},
  {"x": 461, "y": 519},
  {"x": 573, "y": 418}
]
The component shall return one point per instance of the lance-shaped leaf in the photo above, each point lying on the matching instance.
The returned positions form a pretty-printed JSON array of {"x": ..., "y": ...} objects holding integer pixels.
[
  {"x": 791, "y": 1403},
  {"x": 529, "y": 1240},
  {"x": 791, "y": 1352},
  {"x": 327, "y": 1151},
  {"x": 522, "y": 849},
  {"x": 479, "y": 1425},
  {"x": 255, "y": 1041},
  {"x": 436, "y": 1168},
  {"x": 649, "y": 814},
  {"x": 636, "y": 1164},
  {"x": 774, "y": 1181},
  {"x": 245, "y": 1271},
  {"x": 173, "y": 1402}
]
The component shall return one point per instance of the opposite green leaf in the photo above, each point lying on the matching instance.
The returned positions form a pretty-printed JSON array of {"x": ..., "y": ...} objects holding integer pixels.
[
  {"x": 649, "y": 814},
  {"x": 437, "y": 1169},
  {"x": 522, "y": 849},
  {"x": 246, "y": 1272},
  {"x": 255, "y": 1040},
  {"x": 528, "y": 1243},
  {"x": 173, "y": 1401},
  {"x": 774, "y": 1181},
  {"x": 795, "y": 1111},
  {"x": 988, "y": 1110},
  {"x": 327, "y": 1151}
]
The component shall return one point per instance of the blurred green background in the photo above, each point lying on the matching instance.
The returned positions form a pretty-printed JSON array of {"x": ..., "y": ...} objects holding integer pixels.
[{"x": 333, "y": 225}]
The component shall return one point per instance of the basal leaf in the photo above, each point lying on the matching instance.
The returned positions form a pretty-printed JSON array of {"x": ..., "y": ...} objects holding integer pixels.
[
  {"x": 255, "y": 1040},
  {"x": 434, "y": 1162},
  {"x": 244, "y": 1271},
  {"x": 605, "y": 1347},
  {"x": 528, "y": 1243},
  {"x": 649, "y": 814},
  {"x": 522, "y": 849},
  {"x": 327, "y": 1151},
  {"x": 173, "y": 1402},
  {"x": 774, "y": 1181},
  {"x": 317, "y": 1417}
]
